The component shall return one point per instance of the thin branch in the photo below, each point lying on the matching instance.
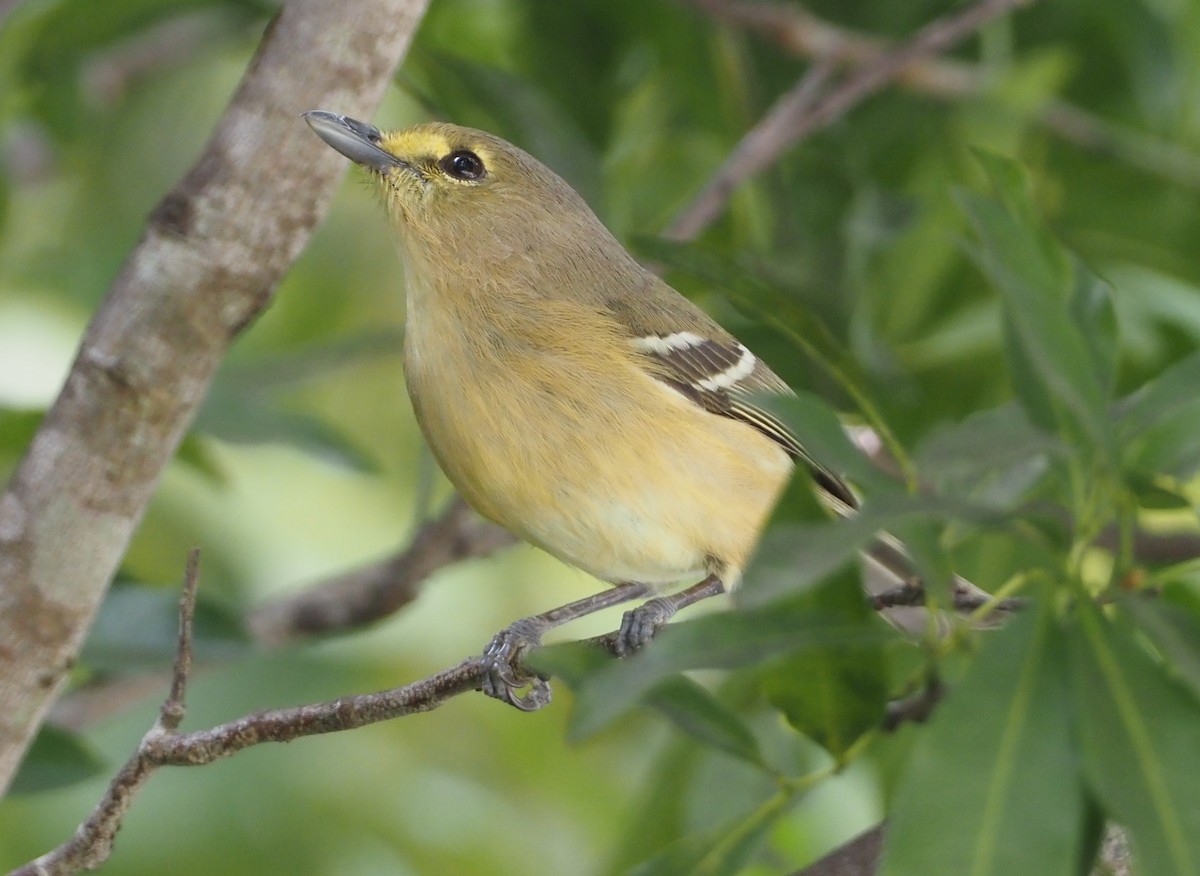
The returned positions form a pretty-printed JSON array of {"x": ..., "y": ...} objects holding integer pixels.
[
  {"x": 342, "y": 602},
  {"x": 757, "y": 149},
  {"x": 163, "y": 745},
  {"x": 107, "y": 75},
  {"x": 966, "y": 599},
  {"x": 364, "y": 595},
  {"x": 915, "y": 709},
  {"x": 782, "y": 128},
  {"x": 175, "y": 707},
  {"x": 804, "y": 34}
]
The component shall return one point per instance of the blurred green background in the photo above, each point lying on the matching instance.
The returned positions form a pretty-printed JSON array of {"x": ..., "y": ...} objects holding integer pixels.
[{"x": 306, "y": 459}]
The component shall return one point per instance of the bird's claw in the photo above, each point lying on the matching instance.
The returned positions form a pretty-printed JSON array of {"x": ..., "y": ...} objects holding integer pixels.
[
  {"x": 638, "y": 625},
  {"x": 505, "y": 675}
]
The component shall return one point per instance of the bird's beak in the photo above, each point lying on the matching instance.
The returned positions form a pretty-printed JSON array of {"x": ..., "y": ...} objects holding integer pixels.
[{"x": 357, "y": 140}]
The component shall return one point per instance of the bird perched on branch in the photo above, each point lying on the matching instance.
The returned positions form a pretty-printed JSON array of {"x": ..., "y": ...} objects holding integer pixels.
[{"x": 568, "y": 393}]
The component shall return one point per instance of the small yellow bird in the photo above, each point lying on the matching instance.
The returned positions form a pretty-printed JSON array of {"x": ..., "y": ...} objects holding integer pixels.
[{"x": 568, "y": 393}]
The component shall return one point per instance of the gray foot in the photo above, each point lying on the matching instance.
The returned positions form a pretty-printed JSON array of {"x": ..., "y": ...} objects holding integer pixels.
[
  {"x": 639, "y": 625},
  {"x": 505, "y": 677}
]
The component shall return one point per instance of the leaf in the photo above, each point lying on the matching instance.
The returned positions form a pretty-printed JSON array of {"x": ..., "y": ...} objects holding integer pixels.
[
  {"x": 1156, "y": 493},
  {"x": 821, "y": 434},
  {"x": 1053, "y": 369},
  {"x": 195, "y": 453},
  {"x": 138, "y": 628},
  {"x": 793, "y": 556},
  {"x": 715, "y": 852},
  {"x": 1171, "y": 391},
  {"x": 757, "y": 297},
  {"x": 1138, "y": 734},
  {"x": 56, "y": 759},
  {"x": 17, "y": 428},
  {"x": 996, "y": 456},
  {"x": 486, "y": 96},
  {"x": 833, "y": 693},
  {"x": 1092, "y": 310},
  {"x": 719, "y": 641},
  {"x": 1174, "y": 630},
  {"x": 992, "y": 788},
  {"x": 702, "y": 716},
  {"x": 246, "y": 419},
  {"x": 1158, "y": 423}
]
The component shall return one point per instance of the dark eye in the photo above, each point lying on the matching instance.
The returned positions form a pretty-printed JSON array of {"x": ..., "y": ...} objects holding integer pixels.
[{"x": 462, "y": 164}]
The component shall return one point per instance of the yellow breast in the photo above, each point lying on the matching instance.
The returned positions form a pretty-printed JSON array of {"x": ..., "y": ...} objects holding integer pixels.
[{"x": 571, "y": 449}]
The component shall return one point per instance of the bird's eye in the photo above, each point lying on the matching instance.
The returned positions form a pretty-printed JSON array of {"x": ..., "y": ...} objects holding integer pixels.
[{"x": 462, "y": 164}]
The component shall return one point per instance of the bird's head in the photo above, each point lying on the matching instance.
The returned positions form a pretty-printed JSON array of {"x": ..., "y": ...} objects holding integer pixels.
[{"x": 449, "y": 185}]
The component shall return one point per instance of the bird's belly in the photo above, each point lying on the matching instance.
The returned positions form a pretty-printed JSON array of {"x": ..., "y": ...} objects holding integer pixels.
[{"x": 602, "y": 483}]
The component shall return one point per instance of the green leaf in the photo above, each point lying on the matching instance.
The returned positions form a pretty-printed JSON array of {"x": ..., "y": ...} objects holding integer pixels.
[
  {"x": 1169, "y": 392},
  {"x": 1138, "y": 734},
  {"x": 757, "y": 297},
  {"x": 719, "y": 641},
  {"x": 1174, "y": 630},
  {"x": 486, "y": 96},
  {"x": 17, "y": 428},
  {"x": 821, "y": 434},
  {"x": 250, "y": 420},
  {"x": 1157, "y": 424},
  {"x": 832, "y": 693},
  {"x": 1156, "y": 493},
  {"x": 996, "y": 456},
  {"x": 56, "y": 759},
  {"x": 793, "y": 556},
  {"x": 195, "y": 453},
  {"x": 138, "y": 628},
  {"x": 992, "y": 788},
  {"x": 715, "y": 852},
  {"x": 702, "y": 716},
  {"x": 1092, "y": 310},
  {"x": 570, "y": 661},
  {"x": 1053, "y": 367}
]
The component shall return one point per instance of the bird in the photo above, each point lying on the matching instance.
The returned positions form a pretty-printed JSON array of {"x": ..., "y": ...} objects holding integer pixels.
[{"x": 567, "y": 392}]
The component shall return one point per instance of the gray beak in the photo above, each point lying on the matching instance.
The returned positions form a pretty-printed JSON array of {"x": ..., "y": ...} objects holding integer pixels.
[{"x": 357, "y": 140}]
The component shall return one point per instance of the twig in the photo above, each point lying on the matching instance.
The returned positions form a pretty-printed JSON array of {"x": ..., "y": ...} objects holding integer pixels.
[
  {"x": 966, "y": 600},
  {"x": 174, "y": 708},
  {"x": 163, "y": 745},
  {"x": 107, "y": 75},
  {"x": 914, "y": 709},
  {"x": 343, "y": 602},
  {"x": 757, "y": 149},
  {"x": 781, "y": 129},
  {"x": 363, "y": 595},
  {"x": 804, "y": 34}
]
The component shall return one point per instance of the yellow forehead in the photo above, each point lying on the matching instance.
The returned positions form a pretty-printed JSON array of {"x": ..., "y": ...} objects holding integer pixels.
[{"x": 436, "y": 141}]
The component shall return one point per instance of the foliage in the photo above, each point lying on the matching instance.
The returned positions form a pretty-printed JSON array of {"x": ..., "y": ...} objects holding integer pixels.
[{"x": 1005, "y": 291}]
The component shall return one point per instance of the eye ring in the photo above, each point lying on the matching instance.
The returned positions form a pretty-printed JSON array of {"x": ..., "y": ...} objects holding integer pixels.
[{"x": 463, "y": 164}]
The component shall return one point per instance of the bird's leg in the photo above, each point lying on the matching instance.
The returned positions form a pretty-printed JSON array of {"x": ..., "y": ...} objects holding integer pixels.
[
  {"x": 639, "y": 625},
  {"x": 503, "y": 680}
]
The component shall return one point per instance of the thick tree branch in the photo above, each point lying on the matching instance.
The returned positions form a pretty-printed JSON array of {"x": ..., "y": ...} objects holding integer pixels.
[{"x": 206, "y": 266}]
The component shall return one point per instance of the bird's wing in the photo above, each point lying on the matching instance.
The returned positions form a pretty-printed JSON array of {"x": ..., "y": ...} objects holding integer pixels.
[{"x": 687, "y": 350}]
